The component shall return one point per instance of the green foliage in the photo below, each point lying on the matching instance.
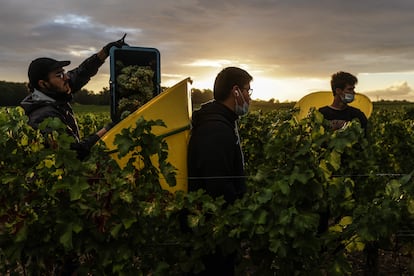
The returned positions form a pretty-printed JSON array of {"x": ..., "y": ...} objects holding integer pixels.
[
  {"x": 56, "y": 210},
  {"x": 302, "y": 170}
]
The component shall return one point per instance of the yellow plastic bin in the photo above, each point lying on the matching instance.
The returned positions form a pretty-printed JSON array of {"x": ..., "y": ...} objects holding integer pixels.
[
  {"x": 323, "y": 98},
  {"x": 174, "y": 108}
]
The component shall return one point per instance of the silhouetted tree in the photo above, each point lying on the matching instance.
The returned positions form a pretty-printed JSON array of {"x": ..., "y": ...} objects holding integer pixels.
[
  {"x": 83, "y": 97},
  {"x": 201, "y": 96},
  {"x": 87, "y": 97},
  {"x": 104, "y": 97},
  {"x": 12, "y": 93}
]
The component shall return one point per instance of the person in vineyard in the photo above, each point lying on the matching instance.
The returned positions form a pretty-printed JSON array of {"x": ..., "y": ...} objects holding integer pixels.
[
  {"x": 215, "y": 158},
  {"x": 339, "y": 112},
  {"x": 51, "y": 90}
]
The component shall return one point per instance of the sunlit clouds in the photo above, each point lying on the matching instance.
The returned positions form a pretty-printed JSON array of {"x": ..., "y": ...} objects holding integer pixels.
[
  {"x": 73, "y": 20},
  {"x": 210, "y": 63},
  {"x": 291, "y": 48}
]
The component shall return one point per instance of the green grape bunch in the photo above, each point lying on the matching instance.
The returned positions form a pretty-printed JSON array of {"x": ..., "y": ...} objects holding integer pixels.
[
  {"x": 135, "y": 86},
  {"x": 127, "y": 105}
]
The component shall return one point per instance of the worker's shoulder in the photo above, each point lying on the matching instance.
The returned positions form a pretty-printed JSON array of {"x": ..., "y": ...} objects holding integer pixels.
[
  {"x": 45, "y": 110},
  {"x": 217, "y": 122},
  {"x": 324, "y": 108},
  {"x": 350, "y": 107},
  {"x": 355, "y": 110}
]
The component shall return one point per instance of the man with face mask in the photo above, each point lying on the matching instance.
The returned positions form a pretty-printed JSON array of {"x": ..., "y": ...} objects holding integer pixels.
[
  {"x": 339, "y": 112},
  {"x": 51, "y": 90},
  {"x": 215, "y": 160}
]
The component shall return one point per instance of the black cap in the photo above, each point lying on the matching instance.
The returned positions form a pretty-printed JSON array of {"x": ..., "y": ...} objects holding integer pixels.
[{"x": 41, "y": 67}]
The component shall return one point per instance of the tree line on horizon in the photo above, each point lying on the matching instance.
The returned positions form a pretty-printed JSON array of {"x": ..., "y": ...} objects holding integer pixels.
[{"x": 12, "y": 93}]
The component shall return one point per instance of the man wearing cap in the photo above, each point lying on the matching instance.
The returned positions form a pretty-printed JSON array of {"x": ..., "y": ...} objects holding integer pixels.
[{"x": 51, "y": 90}]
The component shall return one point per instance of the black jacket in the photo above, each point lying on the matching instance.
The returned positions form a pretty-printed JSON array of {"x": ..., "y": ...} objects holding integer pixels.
[
  {"x": 215, "y": 159},
  {"x": 38, "y": 106}
]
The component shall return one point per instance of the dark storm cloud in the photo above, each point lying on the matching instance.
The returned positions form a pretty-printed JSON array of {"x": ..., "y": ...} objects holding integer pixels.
[{"x": 306, "y": 38}]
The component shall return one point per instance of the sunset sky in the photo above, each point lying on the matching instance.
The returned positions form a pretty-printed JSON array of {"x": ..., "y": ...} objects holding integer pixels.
[{"x": 290, "y": 47}]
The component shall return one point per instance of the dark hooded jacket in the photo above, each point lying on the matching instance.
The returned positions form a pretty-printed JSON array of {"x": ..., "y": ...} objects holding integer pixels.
[
  {"x": 39, "y": 105},
  {"x": 215, "y": 159}
]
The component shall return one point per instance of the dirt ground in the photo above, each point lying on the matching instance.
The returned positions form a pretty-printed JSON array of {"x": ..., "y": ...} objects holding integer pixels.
[{"x": 389, "y": 264}]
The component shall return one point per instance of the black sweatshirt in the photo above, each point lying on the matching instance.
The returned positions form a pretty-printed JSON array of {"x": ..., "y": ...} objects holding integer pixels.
[{"x": 215, "y": 159}]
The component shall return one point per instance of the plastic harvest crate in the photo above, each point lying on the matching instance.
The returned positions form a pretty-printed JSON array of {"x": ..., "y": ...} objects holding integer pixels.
[{"x": 140, "y": 56}]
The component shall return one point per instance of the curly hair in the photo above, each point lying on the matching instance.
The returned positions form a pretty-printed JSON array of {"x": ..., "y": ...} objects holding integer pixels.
[{"x": 342, "y": 79}]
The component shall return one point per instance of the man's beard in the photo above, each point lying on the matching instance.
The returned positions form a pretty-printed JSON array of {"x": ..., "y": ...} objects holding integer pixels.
[{"x": 57, "y": 93}]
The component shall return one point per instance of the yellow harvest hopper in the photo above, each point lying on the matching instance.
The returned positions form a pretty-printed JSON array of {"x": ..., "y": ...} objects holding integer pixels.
[
  {"x": 323, "y": 98},
  {"x": 174, "y": 108}
]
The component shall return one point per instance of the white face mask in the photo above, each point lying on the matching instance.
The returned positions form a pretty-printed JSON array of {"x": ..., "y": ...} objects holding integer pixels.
[
  {"x": 241, "y": 109},
  {"x": 348, "y": 98}
]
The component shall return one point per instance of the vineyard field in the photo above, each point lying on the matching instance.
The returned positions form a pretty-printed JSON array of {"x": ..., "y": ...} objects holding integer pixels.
[{"x": 301, "y": 175}]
